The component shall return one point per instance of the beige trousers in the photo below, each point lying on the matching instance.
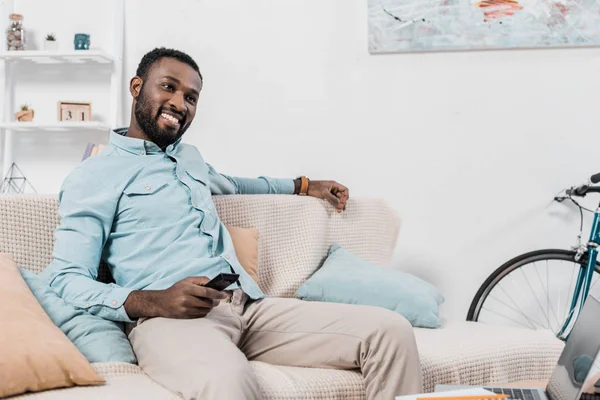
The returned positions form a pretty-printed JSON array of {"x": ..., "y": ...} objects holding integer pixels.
[{"x": 207, "y": 358}]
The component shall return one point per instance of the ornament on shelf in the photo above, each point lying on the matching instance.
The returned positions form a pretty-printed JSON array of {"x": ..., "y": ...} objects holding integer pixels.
[
  {"x": 15, "y": 181},
  {"x": 50, "y": 42},
  {"x": 25, "y": 115},
  {"x": 81, "y": 41},
  {"x": 74, "y": 111},
  {"x": 15, "y": 33}
]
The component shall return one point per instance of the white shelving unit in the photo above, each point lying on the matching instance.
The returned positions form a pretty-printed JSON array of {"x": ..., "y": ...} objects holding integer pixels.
[
  {"x": 54, "y": 57},
  {"x": 53, "y": 126},
  {"x": 41, "y": 58}
]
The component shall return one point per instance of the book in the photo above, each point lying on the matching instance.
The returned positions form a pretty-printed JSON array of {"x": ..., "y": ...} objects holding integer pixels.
[
  {"x": 88, "y": 151},
  {"x": 480, "y": 393},
  {"x": 92, "y": 149}
]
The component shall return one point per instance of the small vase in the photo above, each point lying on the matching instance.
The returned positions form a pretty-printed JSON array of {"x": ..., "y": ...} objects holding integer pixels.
[
  {"x": 24, "y": 116},
  {"x": 81, "y": 41},
  {"x": 50, "y": 45}
]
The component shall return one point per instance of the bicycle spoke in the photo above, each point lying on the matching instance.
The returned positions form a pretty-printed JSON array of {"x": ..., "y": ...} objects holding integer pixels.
[
  {"x": 558, "y": 308},
  {"x": 548, "y": 305},
  {"x": 547, "y": 293},
  {"x": 534, "y": 296},
  {"x": 596, "y": 281},
  {"x": 520, "y": 311},
  {"x": 531, "y": 325},
  {"x": 519, "y": 308},
  {"x": 504, "y": 316},
  {"x": 556, "y": 312}
]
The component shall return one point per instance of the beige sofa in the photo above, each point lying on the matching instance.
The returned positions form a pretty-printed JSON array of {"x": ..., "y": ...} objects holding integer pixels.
[{"x": 295, "y": 235}]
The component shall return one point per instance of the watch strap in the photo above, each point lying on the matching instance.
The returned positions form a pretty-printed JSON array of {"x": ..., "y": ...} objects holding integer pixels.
[{"x": 303, "y": 186}]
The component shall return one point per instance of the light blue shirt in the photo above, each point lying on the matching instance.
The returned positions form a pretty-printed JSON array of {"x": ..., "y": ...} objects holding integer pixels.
[{"x": 149, "y": 215}]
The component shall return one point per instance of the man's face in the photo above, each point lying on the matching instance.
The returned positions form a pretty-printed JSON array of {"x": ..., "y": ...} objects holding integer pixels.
[{"x": 166, "y": 104}]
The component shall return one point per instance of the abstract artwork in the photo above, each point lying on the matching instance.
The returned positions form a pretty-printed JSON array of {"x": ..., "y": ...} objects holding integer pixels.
[{"x": 439, "y": 25}]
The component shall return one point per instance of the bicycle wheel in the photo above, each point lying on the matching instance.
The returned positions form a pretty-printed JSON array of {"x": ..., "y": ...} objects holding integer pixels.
[{"x": 533, "y": 290}]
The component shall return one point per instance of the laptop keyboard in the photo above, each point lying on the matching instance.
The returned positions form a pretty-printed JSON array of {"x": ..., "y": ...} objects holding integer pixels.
[{"x": 517, "y": 394}]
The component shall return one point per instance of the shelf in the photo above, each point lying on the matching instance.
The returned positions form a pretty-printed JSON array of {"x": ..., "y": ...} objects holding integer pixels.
[
  {"x": 58, "y": 57},
  {"x": 53, "y": 126}
]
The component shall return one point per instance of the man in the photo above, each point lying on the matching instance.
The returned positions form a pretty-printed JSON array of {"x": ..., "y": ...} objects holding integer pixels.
[{"x": 144, "y": 207}]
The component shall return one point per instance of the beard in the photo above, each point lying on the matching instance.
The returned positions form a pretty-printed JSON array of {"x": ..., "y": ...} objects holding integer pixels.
[{"x": 147, "y": 119}]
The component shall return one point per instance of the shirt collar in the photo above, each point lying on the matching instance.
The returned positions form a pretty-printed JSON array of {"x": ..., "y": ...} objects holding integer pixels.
[{"x": 119, "y": 138}]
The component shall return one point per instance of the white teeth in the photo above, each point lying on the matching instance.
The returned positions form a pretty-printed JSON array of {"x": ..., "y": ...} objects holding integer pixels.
[{"x": 170, "y": 118}]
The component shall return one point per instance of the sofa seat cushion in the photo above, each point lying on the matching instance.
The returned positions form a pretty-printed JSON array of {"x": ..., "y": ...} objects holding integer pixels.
[
  {"x": 278, "y": 382},
  {"x": 477, "y": 354},
  {"x": 458, "y": 353},
  {"x": 123, "y": 382}
]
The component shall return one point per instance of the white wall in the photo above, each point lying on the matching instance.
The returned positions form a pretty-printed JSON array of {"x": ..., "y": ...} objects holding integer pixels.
[{"x": 469, "y": 147}]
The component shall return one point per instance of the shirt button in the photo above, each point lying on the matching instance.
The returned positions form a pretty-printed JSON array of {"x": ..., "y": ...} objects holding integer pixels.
[
  {"x": 195, "y": 205},
  {"x": 142, "y": 152},
  {"x": 203, "y": 229},
  {"x": 114, "y": 303},
  {"x": 226, "y": 257},
  {"x": 87, "y": 304},
  {"x": 148, "y": 188}
]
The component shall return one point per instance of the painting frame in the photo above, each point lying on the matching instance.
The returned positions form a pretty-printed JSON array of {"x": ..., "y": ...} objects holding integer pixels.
[{"x": 407, "y": 26}]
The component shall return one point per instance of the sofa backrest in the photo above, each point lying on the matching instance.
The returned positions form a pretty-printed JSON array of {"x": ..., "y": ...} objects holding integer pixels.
[{"x": 295, "y": 233}]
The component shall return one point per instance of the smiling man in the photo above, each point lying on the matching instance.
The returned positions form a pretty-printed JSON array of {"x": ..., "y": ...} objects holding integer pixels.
[{"x": 144, "y": 207}]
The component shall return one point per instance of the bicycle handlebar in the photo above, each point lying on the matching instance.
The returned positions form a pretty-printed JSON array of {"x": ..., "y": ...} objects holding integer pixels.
[{"x": 582, "y": 190}]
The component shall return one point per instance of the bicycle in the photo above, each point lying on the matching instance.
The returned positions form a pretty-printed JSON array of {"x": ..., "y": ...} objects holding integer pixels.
[{"x": 515, "y": 292}]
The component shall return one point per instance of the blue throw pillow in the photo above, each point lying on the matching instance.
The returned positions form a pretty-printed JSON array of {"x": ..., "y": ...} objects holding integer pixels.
[
  {"x": 346, "y": 278},
  {"x": 98, "y": 339}
]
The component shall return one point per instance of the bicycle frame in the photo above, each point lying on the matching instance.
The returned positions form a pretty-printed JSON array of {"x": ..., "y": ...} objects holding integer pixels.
[{"x": 584, "y": 278}]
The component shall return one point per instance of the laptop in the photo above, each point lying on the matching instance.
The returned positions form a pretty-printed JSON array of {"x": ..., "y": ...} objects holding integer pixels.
[{"x": 576, "y": 362}]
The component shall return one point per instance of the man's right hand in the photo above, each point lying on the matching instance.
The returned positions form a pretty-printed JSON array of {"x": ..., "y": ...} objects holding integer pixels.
[{"x": 186, "y": 299}]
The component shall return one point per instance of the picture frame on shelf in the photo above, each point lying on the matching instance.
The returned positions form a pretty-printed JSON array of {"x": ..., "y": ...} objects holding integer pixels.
[{"x": 74, "y": 111}]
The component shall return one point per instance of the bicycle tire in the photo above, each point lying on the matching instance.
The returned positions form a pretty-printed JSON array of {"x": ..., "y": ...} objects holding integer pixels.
[{"x": 512, "y": 265}]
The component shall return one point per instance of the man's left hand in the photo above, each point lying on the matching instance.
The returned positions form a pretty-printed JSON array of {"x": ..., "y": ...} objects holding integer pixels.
[{"x": 335, "y": 193}]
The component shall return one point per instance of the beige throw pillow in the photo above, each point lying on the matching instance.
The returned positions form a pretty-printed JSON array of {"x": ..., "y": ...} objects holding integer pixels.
[
  {"x": 245, "y": 243},
  {"x": 34, "y": 354}
]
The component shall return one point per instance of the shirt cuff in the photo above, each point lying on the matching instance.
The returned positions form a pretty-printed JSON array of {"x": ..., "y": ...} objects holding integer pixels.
[
  {"x": 285, "y": 186},
  {"x": 115, "y": 300}
]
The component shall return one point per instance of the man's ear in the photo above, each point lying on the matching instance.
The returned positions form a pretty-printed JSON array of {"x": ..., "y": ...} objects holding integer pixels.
[{"x": 135, "y": 86}]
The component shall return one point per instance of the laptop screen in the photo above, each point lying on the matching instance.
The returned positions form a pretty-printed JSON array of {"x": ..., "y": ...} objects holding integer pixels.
[{"x": 579, "y": 355}]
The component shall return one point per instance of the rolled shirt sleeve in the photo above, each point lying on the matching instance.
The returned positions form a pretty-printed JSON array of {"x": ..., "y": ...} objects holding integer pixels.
[
  {"x": 225, "y": 184},
  {"x": 86, "y": 212}
]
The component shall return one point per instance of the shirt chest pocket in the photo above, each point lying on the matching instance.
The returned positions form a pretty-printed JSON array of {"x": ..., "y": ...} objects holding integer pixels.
[{"x": 154, "y": 202}]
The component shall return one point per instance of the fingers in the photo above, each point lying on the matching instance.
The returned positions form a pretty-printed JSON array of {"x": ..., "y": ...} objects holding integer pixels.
[
  {"x": 343, "y": 194},
  {"x": 198, "y": 280},
  {"x": 201, "y": 303},
  {"x": 204, "y": 292},
  {"x": 331, "y": 198}
]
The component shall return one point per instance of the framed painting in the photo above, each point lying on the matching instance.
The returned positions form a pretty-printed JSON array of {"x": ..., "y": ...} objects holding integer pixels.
[{"x": 443, "y": 25}]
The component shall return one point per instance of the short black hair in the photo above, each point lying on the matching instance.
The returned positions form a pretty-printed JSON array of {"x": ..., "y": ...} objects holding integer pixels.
[{"x": 161, "y": 52}]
